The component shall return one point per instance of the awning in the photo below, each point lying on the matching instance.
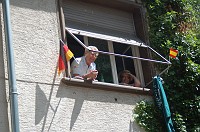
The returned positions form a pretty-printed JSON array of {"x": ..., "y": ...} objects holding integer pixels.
[{"x": 134, "y": 41}]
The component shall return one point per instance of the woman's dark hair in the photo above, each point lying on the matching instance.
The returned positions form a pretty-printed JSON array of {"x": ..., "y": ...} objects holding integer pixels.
[{"x": 129, "y": 75}]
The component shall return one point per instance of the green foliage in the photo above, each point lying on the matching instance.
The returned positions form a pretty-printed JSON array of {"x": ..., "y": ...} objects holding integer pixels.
[
  {"x": 176, "y": 24},
  {"x": 148, "y": 117}
]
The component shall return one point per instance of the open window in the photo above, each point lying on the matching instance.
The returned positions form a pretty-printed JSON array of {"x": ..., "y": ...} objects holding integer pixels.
[{"x": 114, "y": 26}]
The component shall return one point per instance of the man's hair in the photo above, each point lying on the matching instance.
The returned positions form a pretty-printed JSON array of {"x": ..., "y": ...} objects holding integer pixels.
[{"x": 91, "y": 48}]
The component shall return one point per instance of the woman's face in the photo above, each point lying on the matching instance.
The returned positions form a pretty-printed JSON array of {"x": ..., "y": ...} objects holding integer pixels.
[{"x": 125, "y": 78}]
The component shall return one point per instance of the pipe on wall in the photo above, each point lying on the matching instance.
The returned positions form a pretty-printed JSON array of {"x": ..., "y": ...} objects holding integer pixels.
[{"x": 11, "y": 70}]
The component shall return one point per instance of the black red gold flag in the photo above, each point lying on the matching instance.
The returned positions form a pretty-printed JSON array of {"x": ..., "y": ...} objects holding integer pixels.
[{"x": 64, "y": 56}]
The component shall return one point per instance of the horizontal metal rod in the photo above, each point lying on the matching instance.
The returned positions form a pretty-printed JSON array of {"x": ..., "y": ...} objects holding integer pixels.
[{"x": 131, "y": 57}]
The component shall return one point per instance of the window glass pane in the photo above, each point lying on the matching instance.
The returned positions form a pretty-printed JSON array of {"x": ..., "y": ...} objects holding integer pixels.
[
  {"x": 103, "y": 61},
  {"x": 123, "y": 63}
]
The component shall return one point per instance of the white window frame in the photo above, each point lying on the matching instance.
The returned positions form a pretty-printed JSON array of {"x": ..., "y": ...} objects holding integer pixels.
[
  {"x": 113, "y": 62},
  {"x": 134, "y": 43},
  {"x": 137, "y": 63}
]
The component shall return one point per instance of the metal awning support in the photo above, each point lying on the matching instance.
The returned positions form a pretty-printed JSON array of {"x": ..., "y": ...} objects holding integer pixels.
[
  {"x": 166, "y": 69},
  {"x": 120, "y": 55},
  {"x": 131, "y": 57}
]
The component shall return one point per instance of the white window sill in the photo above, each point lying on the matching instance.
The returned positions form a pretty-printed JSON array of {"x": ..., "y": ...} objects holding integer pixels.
[{"x": 105, "y": 86}]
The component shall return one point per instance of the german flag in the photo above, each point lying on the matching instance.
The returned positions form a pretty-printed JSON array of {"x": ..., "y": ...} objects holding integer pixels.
[
  {"x": 64, "y": 56},
  {"x": 173, "y": 53}
]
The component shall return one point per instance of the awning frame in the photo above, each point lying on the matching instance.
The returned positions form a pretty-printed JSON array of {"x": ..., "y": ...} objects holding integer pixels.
[{"x": 131, "y": 57}]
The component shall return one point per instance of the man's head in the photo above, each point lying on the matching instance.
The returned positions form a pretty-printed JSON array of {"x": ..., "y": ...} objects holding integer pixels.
[{"x": 90, "y": 54}]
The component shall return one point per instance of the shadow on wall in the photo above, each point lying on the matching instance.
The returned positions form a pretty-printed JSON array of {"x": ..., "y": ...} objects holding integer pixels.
[
  {"x": 41, "y": 100},
  {"x": 42, "y": 103},
  {"x": 91, "y": 94},
  {"x": 88, "y": 94},
  {"x": 79, "y": 99}
]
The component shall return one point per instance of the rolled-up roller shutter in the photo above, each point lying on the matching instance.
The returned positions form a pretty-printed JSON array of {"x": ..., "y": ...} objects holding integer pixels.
[{"x": 99, "y": 21}]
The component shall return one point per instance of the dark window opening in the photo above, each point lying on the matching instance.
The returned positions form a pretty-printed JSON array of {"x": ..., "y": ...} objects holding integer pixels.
[
  {"x": 74, "y": 46},
  {"x": 123, "y": 63}
]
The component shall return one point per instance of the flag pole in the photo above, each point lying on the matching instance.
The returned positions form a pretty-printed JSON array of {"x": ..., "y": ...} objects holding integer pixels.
[
  {"x": 69, "y": 69},
  {"x": 67, "y": 59},
  {"x": 68, "y": 65}
]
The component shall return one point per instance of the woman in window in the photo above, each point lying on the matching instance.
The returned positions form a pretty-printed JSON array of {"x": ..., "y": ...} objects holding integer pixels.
[{"x": 126, "y": 78}]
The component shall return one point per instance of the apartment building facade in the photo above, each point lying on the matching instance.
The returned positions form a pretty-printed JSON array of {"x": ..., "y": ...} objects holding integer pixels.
[{"x": 47, "y": 101}]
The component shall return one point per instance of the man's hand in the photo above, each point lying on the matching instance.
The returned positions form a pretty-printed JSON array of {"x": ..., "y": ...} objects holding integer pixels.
[{"x": 93, "y": 74}]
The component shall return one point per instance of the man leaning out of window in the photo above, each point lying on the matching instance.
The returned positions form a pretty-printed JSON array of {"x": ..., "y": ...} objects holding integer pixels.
[{"x": 84, "y": 67}]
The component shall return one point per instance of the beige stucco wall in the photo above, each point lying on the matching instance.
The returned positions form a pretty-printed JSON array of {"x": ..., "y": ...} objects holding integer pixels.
[
  {"x": 3, "y": 99},
  {"x": 45, "y": 104}
]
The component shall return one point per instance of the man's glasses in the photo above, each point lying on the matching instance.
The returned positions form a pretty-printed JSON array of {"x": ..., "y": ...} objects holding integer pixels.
[{"x": 95, "y": 54}]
